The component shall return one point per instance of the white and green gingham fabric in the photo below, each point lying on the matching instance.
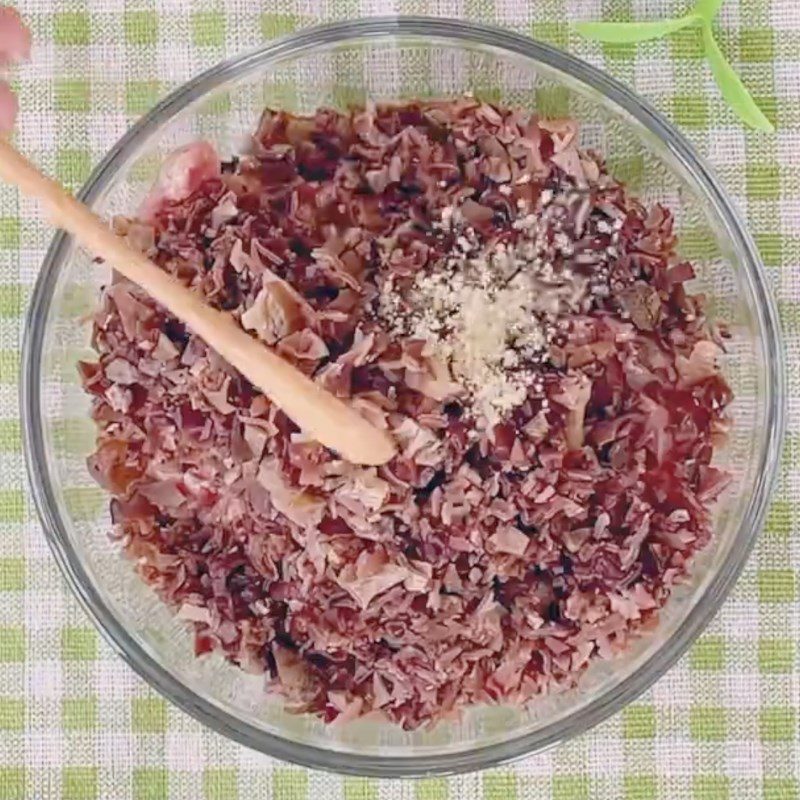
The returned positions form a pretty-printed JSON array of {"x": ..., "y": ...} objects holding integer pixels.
[{"x": 76, "y": 723}]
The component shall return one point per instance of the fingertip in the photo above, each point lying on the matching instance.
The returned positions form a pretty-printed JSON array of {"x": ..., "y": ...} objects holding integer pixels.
[{"x": 15, "y": 38}]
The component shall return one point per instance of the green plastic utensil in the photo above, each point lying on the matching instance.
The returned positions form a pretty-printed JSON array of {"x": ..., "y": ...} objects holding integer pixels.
[{"x": 702, "y": 16}]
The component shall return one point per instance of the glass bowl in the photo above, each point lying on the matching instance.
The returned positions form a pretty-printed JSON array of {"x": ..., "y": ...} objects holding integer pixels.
[{"x": 336, "y": 65}]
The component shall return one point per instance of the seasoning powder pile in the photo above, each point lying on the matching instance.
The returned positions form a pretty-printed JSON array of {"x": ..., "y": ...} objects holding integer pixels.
[{"x": 490, "y": 309}]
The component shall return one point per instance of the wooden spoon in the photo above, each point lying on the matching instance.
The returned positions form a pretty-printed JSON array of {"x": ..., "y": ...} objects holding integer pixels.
[{"x": 317, "y": 412}]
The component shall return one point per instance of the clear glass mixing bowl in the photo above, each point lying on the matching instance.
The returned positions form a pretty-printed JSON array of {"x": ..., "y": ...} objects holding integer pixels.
[{"x": 337, "y": 65}]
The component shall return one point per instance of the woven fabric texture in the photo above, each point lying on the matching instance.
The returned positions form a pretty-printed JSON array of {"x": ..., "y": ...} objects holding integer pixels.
[{"x": 76, "y": 723}]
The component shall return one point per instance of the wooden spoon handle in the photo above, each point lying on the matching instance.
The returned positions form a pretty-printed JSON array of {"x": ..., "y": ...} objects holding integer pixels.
[{"x": 317, "y": 412}]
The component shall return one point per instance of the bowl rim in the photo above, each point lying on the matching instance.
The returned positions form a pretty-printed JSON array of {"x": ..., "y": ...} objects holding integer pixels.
[{"x": 479, "y": 757}]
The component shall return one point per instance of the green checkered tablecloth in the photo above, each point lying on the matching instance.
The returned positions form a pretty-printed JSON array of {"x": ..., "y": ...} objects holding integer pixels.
[{"x": 76, "y": 723}]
